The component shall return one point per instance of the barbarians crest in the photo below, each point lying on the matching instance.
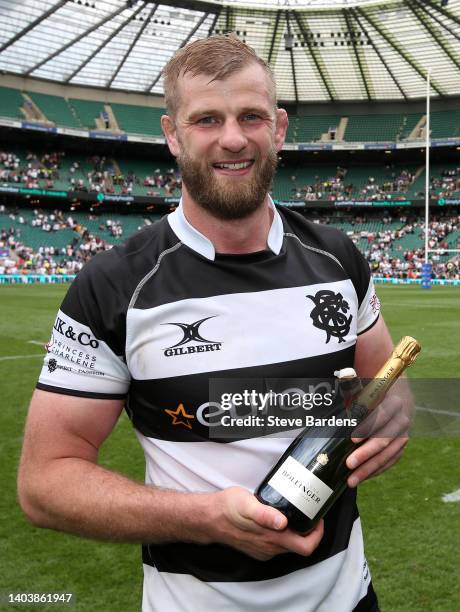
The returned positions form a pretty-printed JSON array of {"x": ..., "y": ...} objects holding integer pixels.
[
  {"x": 52, "y": 365},
  {"x": 329, "y": 314}
]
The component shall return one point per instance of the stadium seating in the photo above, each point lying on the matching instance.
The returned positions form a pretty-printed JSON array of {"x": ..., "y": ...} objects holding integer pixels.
[
  {"x": 86, "y": 111},
  {"x": 139, "y": 119},
  {"x": 381, "y": 239},
  {"x": 56, "y": 109},
  {"x": 388, "y": 127},
  {"x": 310, "y": 128},
  {"x": 445, "y": 124},
  {"x": 10, "y": 102}
]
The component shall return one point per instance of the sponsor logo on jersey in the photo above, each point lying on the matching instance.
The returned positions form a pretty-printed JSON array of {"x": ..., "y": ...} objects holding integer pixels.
[
  {"x": 66, "y": 330},
  {"x": 53, "y": 366},
  {"x": 191, "y": 334},
  {"x": 180, "y": 416},
  {"x": 329, "y": 314},
  {"x": 374, "y": 303},
  {"x": 71, "y": 352}
]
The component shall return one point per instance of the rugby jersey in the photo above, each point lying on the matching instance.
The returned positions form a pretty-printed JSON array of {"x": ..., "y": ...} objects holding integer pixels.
[{"x": 156, "y": 319}]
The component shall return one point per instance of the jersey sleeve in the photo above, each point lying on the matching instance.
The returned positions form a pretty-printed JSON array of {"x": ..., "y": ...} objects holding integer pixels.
[
  {"x": 360, "y": 274},
  {"x": 85, "y": 354},
  {"x": 369, "y": 309}
]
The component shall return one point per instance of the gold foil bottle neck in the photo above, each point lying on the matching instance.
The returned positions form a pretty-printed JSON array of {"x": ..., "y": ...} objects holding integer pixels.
[
  {"x": 407, "y": 350},
  {"x": 403, "y": 355}
]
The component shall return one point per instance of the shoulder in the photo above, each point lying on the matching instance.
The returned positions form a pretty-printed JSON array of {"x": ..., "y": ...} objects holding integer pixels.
[
  {"x": 316, "y": 234},
  {"x": 122, "y": 267},
  {"x": 108, "y": 281},
  {"x": 332, "y": 242}
]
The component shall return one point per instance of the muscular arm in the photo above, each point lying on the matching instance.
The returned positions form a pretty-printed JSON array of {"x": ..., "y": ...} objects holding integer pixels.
[
  {"x": 384, "y": 449},
  {"x": 61, "y": 487}
]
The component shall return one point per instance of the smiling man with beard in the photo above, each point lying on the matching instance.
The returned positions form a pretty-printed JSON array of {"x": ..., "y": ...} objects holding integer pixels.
[
  {"x": 219, "y": 288},
  {"x": 225, "y": 131}
]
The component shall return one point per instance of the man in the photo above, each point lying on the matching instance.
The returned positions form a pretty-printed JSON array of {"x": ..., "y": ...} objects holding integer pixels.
[{"x": 217, "y": 289}]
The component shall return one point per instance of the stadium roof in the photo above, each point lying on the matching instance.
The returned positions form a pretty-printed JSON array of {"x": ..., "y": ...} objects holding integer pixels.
[{"x": 321, "y": 50}]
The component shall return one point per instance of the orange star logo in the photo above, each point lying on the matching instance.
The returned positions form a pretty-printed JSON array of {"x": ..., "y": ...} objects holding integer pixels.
[{"x": 180, "y": 412}]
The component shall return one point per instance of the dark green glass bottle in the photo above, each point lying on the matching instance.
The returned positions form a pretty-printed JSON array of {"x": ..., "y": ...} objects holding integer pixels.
[{"x": 312, "y": 473}]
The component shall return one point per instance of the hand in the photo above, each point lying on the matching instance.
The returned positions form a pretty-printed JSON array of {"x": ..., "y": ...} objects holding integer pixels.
[
  {"x": 388, "y": 428},
  {"x": 256, "y": 529}
]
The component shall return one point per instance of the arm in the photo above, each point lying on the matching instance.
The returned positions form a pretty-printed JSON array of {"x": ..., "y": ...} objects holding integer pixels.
[
  {"x": 379, "y": 453},
  {"x": 61, "y": 487}
]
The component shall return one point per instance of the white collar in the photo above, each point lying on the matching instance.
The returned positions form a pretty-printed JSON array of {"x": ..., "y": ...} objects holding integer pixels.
[{"x": 199, "y": 243}]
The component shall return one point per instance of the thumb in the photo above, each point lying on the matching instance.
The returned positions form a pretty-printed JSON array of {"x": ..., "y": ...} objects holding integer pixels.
[{"x": 268, "y": 517}]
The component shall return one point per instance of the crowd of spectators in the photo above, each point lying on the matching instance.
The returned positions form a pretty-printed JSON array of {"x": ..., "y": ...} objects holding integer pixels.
[
  {"x": 97, "y": 174},
  {"x": 385, "y": 253},
  {"x": 18, "y": 258},
  {"x": 382, "y": 245},
  {"x": 101, "y": 174},
  {"x": 337, "y": 188},
  {"x": 170, "y": 182},
  {"x": 31, "y": 170},
  {"x": 447, "y": 184}
]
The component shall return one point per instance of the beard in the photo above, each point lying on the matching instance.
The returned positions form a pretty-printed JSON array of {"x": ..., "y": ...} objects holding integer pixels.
[{"x": 224, "y": 197}]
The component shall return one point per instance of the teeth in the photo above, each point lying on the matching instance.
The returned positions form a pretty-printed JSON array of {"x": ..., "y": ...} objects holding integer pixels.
[{"x": 239, "y": 166}]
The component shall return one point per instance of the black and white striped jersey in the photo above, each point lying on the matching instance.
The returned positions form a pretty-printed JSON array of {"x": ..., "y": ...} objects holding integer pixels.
[{"x": 154, "y": 321}]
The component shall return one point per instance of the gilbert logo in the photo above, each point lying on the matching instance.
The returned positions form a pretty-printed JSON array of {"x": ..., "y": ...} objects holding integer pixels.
[
  {"x": 191, "y": 333},
  {"x": 180, "y": 417}
]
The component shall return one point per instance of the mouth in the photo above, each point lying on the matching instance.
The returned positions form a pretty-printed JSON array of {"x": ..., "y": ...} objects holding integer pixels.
[{"x": 234, "y": 168}]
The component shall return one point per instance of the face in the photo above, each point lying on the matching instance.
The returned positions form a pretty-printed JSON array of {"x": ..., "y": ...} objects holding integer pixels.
[{"x": 226, "y": 137}]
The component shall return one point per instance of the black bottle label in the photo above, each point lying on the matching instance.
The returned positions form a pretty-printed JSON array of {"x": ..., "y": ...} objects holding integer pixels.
[{"x": 301, "y": 487}]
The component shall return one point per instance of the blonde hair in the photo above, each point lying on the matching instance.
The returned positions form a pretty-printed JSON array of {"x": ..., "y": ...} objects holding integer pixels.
[{"x": 218, "y": 56}]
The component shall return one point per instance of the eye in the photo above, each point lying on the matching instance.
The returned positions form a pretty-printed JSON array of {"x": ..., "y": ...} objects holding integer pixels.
[
  {"x": 206, "y": 120},
  {"x": 251, "y": 117}
]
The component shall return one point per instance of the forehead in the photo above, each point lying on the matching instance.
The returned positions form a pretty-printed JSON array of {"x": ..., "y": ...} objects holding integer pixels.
[{"x": 250, "y": 86}]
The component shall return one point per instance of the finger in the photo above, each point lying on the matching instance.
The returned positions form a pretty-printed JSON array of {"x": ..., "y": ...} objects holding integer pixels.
[
  {"x": 263, "y": 516},
  {"x": 373, "y": 447},
  {"x": 395, "y": 459},
  {"x": 301, "y": 544},
  {"x": 366, "y": 451},
  {"x": 376, "y": 420},
  {"x": 377, "y": 462}
]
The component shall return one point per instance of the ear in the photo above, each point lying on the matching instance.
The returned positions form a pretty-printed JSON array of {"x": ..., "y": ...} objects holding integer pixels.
[
  {"x": 281, "y": 127},
  {"x": 169, "y": 130}
]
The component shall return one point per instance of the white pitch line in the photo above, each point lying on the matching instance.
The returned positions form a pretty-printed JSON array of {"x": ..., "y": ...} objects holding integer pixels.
[
  {"x": 11, "y": 357},
  {"x": 452, "y": 497},
  {"x": 434, "y": 411},
  {"x": 36, "y": 342}
]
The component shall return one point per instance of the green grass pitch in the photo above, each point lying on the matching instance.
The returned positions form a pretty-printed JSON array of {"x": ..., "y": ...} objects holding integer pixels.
[{"x": 412, "y": 537}]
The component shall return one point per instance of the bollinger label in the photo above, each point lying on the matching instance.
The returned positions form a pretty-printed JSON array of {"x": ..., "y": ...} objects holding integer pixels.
[{"x": 299, "y": 486}]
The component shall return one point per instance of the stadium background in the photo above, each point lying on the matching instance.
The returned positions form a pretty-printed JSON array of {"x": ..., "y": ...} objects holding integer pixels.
[{"x": 83, "y": 164}]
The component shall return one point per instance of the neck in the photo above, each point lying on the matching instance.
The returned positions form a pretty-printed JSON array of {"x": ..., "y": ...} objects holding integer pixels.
[{"x": 234, "y": 236}]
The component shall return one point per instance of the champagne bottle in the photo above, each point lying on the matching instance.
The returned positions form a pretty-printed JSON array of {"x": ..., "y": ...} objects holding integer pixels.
[{"x": 312, "y": 473}]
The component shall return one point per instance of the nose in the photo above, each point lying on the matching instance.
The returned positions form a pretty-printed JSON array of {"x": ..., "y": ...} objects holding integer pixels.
[{"x": 232, "y": 136}]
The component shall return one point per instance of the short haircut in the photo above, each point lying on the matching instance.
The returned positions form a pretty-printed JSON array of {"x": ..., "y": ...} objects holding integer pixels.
[{"x": 218, "y": 56}]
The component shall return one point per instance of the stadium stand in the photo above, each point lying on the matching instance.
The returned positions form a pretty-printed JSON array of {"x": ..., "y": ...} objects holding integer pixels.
[
  {"x": 86, "y": 111},
  {"x": 445, "y": 124},
  {"x": 54, "y": 242},
  {"x": 311, "y": 128},
  {"x": 10, "y": 102},
  {"x": 138, "y": 177},
  {"x": 136, "y": 119},
  {"x": 56, "y": 109},
  {"x": 388, "y": 127},
  {"x": 139, "y": 119}
]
